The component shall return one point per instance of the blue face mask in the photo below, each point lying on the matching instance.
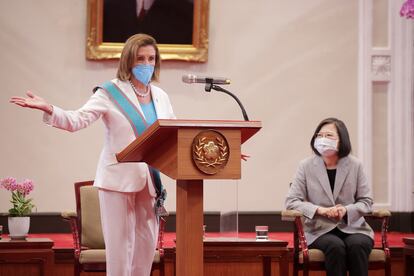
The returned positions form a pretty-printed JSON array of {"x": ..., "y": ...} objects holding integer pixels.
[{"x": 143, "y": 73}]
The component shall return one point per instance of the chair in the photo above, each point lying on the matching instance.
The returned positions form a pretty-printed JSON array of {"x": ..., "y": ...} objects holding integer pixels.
[
  {"x": 87, "y": 234},
  {"x": 306, "y": 259}
]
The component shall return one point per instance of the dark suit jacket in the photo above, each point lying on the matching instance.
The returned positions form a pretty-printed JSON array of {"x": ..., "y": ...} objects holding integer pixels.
[{"x": 168, "y": 21}]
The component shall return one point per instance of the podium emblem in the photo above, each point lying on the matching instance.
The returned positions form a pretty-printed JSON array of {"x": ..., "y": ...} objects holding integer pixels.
[{"x": 210, "y": 151}]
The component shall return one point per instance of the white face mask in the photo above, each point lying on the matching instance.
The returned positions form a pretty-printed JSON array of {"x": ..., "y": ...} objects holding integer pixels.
[{"x": 325, "y": 146}]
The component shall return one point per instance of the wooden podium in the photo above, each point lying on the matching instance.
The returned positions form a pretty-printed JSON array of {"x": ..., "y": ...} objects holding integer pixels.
[{"x": 190, "y": 151}]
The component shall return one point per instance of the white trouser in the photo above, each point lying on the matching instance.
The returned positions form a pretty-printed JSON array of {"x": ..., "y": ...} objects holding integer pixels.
[{"x": 130, "y": 229}]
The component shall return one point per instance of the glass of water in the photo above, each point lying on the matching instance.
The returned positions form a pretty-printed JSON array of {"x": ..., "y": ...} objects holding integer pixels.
[{"x": 262, "y": 233}]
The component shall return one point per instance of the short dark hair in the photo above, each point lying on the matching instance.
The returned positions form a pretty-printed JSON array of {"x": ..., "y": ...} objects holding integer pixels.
[{"x": 344, "y": 145}]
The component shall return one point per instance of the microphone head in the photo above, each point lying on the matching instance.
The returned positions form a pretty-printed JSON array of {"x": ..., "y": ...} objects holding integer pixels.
[{"x": 190, "y": 78}]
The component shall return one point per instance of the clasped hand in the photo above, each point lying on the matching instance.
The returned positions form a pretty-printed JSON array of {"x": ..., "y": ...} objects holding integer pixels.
[{"x": 336, "y": 212}]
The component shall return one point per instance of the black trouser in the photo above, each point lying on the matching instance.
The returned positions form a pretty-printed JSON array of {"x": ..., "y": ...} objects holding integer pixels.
[{"x": 344, "y": 251}]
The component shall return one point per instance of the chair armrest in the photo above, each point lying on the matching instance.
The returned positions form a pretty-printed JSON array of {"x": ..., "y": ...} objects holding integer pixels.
[
  {"x": 72, "y": 218},
  {"x": 68, "y": 215},
  {"x": 381, "y": 213},
  {"x": 299, "y": 239},
  {"x": 291, "y": 215},
  {"x": 378, "y": 214}
]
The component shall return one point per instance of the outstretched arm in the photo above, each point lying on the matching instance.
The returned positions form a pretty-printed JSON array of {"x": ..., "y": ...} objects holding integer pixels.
[
  {"x": 67, "y": 119},
  {"x": 32, "y": 101}
]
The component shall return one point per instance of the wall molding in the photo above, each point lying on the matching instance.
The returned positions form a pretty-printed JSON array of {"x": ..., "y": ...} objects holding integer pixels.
[
  {"x": 401, "y": 115},
  {"x": 381, "y": 68},
  {"x": 392, "y": 65},
  {"x": 365, "y": 21},
  {"x": 53, "y": 222}
]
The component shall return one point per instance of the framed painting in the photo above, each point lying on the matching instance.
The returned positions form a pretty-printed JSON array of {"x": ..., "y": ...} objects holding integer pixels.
[{"x": 179, "y": 26}]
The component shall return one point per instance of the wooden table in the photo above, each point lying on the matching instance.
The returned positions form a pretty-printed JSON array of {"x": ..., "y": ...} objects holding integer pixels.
[
  {"x": 35, "y": 255},
  {"x": 409, "y": 256},
  {"x": 229, "y": 257}
]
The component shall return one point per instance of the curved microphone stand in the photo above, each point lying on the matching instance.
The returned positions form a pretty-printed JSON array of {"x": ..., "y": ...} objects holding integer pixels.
[{"x": 210, "y": 85}]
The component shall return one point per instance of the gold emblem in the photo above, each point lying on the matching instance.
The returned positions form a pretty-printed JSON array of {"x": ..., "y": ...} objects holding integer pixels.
[{"x": 210, "y": 151}]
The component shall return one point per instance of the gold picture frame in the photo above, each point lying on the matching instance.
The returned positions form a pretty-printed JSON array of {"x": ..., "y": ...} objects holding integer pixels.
[{"x": 97, "y": 49}]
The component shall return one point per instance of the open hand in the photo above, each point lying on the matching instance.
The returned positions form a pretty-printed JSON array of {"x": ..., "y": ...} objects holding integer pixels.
[{"x": 32, "y": 101}]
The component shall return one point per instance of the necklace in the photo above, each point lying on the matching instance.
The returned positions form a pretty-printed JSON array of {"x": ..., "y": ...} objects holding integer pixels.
[{"x": 139, "y": 93}]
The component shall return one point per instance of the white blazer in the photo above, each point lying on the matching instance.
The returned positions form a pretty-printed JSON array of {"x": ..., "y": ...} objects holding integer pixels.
[{"x": 111, "y": 175}]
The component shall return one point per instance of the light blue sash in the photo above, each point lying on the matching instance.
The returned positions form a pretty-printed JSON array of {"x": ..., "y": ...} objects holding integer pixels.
[
  {"x": 137, "y": 121},
  {"x": 130, "y": 111}
]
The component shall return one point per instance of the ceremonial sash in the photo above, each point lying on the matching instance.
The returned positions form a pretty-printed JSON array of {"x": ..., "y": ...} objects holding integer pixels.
[{"x": 137, "y": 121}]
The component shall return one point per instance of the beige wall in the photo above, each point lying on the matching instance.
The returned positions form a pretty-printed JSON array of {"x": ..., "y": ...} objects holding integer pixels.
[{"x": 292, "y": 63}]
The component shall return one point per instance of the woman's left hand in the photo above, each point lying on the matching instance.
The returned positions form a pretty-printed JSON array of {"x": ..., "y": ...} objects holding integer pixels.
[
  {"x": 341, "y": 211},
  {"x": 336, "y": 212},
  {"x": 244, "y": 156},
  {"x": 332, "y": 213}
]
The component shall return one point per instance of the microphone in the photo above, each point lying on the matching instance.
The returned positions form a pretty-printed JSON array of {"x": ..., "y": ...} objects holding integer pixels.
[
  {"x": 211, "y": 83},
  {"x": 190, "y": 78}
]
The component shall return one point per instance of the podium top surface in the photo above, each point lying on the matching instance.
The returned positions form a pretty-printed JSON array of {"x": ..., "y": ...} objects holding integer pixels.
[{"x": 163, "y": 127}]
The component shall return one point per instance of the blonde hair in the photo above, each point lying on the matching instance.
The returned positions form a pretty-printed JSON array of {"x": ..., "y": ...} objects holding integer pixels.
[{"x": 129, "y": 56}]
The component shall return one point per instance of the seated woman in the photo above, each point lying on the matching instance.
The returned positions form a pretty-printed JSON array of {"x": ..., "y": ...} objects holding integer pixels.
[{"x": 331, "y": 190}]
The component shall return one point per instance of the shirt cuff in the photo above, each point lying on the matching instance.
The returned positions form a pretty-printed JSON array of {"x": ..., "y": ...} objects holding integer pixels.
[{"x": 49, "y": 118}]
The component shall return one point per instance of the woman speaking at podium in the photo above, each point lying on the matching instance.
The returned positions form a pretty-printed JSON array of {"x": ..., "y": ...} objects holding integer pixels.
[{"x": 127, "y": 104}]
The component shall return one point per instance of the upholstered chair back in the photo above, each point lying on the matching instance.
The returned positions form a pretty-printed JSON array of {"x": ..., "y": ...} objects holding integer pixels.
[{"x": 92, "y": 236}]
